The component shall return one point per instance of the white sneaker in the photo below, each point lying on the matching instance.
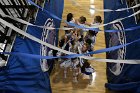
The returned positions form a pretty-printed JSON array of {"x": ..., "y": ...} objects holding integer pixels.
[
  {"x": 75, "y": 80},
  {"x": 2, "y": 63},
  {"x": 92, "y": 79},
  {"x": 65, "y": 76},
  {"x": 90, "y": 82}
]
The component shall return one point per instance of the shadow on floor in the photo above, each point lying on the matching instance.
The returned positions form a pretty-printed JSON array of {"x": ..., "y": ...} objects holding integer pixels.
[{"x": 57, "y": 76}]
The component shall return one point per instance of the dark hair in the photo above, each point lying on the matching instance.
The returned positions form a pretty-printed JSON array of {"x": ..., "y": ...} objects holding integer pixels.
[
  {"x": 88, "y": 41},
  {"x": 61, "y": 42},
  {"x": 83, "y": 19},
  {"x": 98, "y": 19},
  {"x": 55, "y": 52},
  {"x": 92, "y": 33},
  {"x": 85, "y": 65},
  {"x": 80, "y": 39},
  {"x": 73, "y": 58},
  {"x": 69, "y": 17}
]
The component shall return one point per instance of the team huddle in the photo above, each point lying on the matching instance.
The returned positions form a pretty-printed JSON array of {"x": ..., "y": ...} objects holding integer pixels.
[{"x": 78, "y": 41}]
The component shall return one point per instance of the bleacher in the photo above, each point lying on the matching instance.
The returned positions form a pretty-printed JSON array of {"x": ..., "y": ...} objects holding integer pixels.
[{"x": 15, "y": 8}]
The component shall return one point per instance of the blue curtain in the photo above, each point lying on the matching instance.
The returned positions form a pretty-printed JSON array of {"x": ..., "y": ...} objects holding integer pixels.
[{"x": 24, "y": 75}]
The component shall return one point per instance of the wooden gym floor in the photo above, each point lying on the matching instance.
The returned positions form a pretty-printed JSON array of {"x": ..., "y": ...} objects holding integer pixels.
[{"x": 61, "y": 85}]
